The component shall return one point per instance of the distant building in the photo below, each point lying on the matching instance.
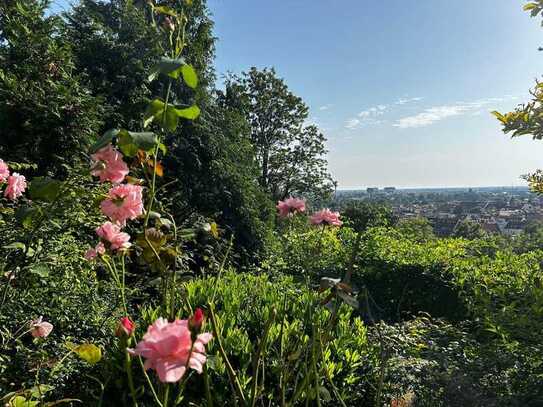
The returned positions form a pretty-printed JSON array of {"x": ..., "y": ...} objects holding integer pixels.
[
  {"x": 390, "y": 189},
  {"x": 372, "y": 190}
]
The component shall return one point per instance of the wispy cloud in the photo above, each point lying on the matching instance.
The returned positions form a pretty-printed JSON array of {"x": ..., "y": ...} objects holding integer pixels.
[
  {"x": 403, "y": 101},
  {"x": 429, "y": 116},
  {"x": 366, "y": 117},
  {"x": 325, "y": 107},
  {"x": 434, "y": 114},
  {"x": 352, "y": 123},
  {"x": 371, "y": 115}
]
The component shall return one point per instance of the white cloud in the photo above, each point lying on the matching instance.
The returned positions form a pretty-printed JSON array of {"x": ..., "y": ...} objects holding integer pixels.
[
  {"x": 430, "y": 115},
  {"x": 403, "y": 101},
  {"x": 325, "y": 107},
  {"x": 437, "y": 113},
  {"x": 352, "y": 123}
]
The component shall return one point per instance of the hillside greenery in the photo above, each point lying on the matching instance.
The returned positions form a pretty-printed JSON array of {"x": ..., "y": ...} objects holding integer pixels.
[{"x": 148, "y": 193}]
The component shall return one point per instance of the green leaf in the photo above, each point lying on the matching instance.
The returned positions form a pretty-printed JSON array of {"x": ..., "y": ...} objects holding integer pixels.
[
  {"x": 41, "y": 270},
  {"x": 89, "y": 352},
  {"x": 20, "y": 401},
  {"x": 167, "y": 66},
  {"x": 25, "y": 215},
  {"x": 15, "y": 246},
  {"x": 44, "y": 189},
  {"x": 190, "y": 113},
  {"x": 189, "y": 76},
  {"x": 154, "y": 110},
  {"x": 529, "y": 6},
  {"x": 165, "y": 10},
  {"x": 130, "y": 142},
  {"x": 104, "y": 140},
  {"x": 171, "y": 119}
]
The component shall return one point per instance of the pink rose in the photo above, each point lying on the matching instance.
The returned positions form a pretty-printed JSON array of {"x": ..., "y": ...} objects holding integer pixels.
[
  {"x": 4, "y": 171},
  {"x": 196, "y": 321},
  {"x": 125, "y": 327},
  {"x": 40, "y": 328},
  {"x": 290, "y": 206},
  {"x": 112, "y": 233},
  {"x": 16, "y": 186},
  {"x": 124, "y": 202},
  {"x": 167, "y": 346},
  {"x": 108, "y": 164},
  {"x": 91, "y": 254},
  {"x": 325, "y": 216}
]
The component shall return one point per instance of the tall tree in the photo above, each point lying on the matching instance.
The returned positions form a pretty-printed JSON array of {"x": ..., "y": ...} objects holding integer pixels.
[
  {"x": 47, "y": 115},
  {"x": 210, "y": 166},
  {"x": 290, "y": 154}
]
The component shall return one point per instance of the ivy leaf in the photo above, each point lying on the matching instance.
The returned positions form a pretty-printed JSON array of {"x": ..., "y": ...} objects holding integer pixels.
[
  {"x": 44, "y": 189},
  {"x": 189, "y": 76}
]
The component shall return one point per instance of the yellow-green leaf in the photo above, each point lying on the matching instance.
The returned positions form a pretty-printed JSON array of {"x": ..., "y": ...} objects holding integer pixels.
[
  {"x": 189, "y": 76},
  {"x": 89, "y": 352}
]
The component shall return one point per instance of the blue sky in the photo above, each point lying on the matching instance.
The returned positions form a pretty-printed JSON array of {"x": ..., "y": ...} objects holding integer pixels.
[{"x": 402, "y": 89}]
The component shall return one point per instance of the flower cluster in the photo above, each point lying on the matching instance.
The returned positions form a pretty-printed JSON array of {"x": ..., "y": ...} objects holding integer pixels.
[
  {"x": 170, "y": 348},
  {"x": 123, "y": 202},
  {"x": 325, "y": 217},
  {"x": 16, "y": 183},
  {"x": 292, "y": 206}
]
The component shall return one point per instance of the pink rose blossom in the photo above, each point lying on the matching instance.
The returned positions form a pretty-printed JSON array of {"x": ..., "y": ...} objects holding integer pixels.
[
  {"x": 290, "y": 206},
  {"x": 125, "y": 327},
  {"x": 40, "y": 328},
  {"x": 112, "y": 233},
  {"x": 4, "y": 171},
  {"x": 124, "y": 202},
  {"x": 108, "y": 164},
  {"x": 325, "y": 216},
  {"x": 91, "y": 254},
  {"x": 167, "y": 349},
  {"x": 16, "y": 186}
]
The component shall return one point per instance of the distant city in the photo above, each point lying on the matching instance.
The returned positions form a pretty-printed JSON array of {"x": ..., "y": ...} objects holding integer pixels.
[{"x": 498, "y": 210}]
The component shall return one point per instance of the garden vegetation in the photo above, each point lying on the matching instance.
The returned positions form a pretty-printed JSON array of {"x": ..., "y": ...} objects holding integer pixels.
[{"x": 166, "y": 243}]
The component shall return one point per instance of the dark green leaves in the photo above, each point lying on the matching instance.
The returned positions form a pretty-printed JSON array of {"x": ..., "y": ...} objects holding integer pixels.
[
  {"x": 44, "y": 189},
  {"x": 173, "y": 68},
  {"x": 167, "y": 66},
  {"x": 103, "y": 141},
  {"x": 129, "y": 142}
]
